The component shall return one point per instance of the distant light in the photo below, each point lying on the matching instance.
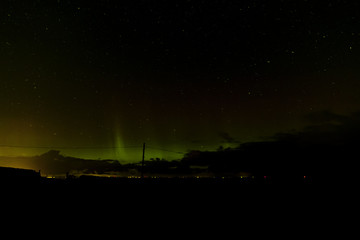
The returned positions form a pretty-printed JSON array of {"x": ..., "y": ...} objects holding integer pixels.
[
  {"x": 264, "y": 177},
  {"x": 304, "y": 177}
]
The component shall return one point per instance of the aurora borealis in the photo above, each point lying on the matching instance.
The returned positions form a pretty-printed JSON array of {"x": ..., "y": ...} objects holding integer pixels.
[{"x": 96, "y": 79}]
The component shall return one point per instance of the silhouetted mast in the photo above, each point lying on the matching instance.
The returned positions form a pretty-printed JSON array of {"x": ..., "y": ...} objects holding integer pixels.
[{"x": 142, "y": 162}]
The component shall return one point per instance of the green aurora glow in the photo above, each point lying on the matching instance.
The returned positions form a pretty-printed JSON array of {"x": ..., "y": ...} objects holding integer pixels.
[{"x": 97, "y": 79}]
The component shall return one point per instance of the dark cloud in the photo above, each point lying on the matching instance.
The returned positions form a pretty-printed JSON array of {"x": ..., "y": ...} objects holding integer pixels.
[
  {"x": 326, "y": 128},
  {"x": 324, "y": 117},
  {"x": 326, "y": 150},
  {"x": 53, "y": 162},
  {"x": 226, "y": 138}
]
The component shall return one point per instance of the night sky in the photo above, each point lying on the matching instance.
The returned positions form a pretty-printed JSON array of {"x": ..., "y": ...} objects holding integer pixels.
[{"x": 96, "y": 79}]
